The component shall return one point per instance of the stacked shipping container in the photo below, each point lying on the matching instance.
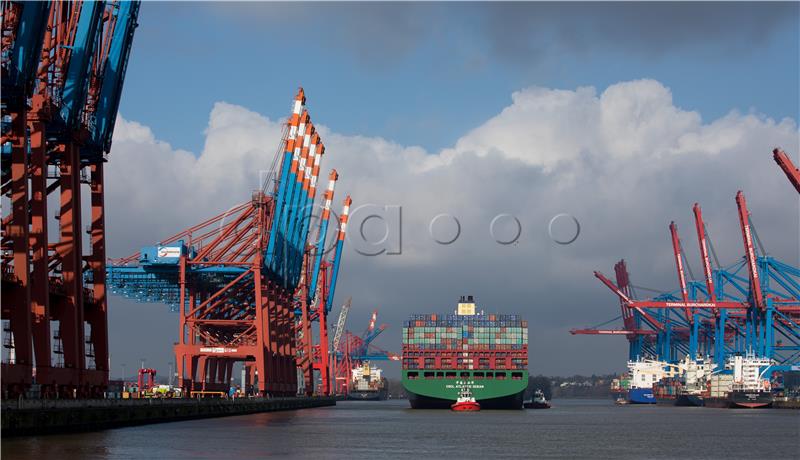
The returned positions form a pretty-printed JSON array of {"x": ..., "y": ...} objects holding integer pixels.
[{"x": 465, "y": 342}]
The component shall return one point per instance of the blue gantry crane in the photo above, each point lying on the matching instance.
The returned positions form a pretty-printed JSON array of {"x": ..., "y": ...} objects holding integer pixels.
[{"x": 750, "y": 307}]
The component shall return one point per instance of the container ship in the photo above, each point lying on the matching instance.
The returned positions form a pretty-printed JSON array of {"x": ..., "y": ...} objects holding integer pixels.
[
  {"x": 687, "y": 385},
  {"x": 619, "y": 388},
  {"x": 367, "y": 384},
  {"x": 741, "y": 384},
  {"x": 484, "y": 353}
]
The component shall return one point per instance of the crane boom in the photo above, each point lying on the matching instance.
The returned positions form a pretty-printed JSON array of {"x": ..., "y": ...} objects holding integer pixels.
[
  {"x": 701, "y": 239},
  {"x": 337, "y": 337},
  {"x": 749, "y": 250},
  {"x": 676, "y": 248},
  {"x": 788, "y": 167},
  {"x": 126, "y": 13},
  {"x": 372, "y": 320},
  {"x": 623, "y": 281}
]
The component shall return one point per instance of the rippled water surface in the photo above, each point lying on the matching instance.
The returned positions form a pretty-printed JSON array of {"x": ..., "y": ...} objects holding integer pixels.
[{"x": 389, "y": 429}]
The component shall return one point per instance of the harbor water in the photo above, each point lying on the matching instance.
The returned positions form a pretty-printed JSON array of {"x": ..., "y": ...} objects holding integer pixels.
[{"x": 389, "y": 429}]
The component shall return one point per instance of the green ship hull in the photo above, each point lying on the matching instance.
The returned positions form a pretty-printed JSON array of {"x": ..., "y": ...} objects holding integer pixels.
[{"x": 438, "y": 388}]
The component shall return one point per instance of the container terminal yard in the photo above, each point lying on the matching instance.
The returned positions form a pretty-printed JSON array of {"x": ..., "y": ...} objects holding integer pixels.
[
  {"x": 252, "y": 289},
  {"x": 724, "y": 340}
]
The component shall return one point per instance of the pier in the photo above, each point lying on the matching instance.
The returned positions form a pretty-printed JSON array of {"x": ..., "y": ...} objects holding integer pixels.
[{"x": 39, "y": 417}]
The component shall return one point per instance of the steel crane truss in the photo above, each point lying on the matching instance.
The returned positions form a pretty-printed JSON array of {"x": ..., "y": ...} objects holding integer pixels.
[
  {"x": 63, "y": 66},
  {"x": 354, "y": 350},
  {"x": 751, "y": 305},
  {"x": 249, "y": 284}
]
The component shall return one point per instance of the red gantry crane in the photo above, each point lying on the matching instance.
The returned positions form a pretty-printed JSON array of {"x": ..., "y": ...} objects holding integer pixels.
[
  {"x": 63, "y": 67},
  {"x": 249, "y": 284},
  {"x": 354, "y": 350}
]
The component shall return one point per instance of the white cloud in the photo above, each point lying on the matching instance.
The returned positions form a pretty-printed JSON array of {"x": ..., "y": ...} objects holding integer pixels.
[{"x": 625, "y": 162}]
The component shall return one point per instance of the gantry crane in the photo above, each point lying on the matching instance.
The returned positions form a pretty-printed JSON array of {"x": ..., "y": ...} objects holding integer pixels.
[
  {"x": 750, "y": 306},
  {"x": 249, "y": 283},
  {"x": 63, "y": 67},
  {"x": 355, "y": 349}
]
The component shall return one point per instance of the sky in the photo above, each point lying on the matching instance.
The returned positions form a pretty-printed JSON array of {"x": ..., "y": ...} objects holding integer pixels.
[{"x": 622, "y": 115}]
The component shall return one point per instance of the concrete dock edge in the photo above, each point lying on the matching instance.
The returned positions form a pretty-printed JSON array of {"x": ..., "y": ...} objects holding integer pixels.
[{"x": 31, "y": 417}]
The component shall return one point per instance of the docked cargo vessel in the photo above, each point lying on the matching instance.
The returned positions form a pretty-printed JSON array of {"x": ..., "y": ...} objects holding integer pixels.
[
  {"x": 740, "y": 383},
  {"x": 695, "y": 389},
  {"x": 749, "y": 390},
  {"x": 367, "y": 384},
  {"x": 644, "y": 373},
  {"x": 446, "y": 354},
  {"x": 686, "y": 384}
]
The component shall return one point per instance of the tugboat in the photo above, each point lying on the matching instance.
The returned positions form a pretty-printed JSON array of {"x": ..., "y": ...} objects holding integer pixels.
[
  {"x": 465, "y": 402},
  {"x": 538, "y": 401}
]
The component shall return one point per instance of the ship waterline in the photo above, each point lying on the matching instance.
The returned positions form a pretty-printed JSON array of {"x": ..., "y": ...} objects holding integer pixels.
[{"x": 499, "y": 390}]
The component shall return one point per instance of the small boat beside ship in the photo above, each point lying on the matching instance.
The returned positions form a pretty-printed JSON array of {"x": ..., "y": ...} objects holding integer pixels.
[{"x": 537, "y": 402}]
